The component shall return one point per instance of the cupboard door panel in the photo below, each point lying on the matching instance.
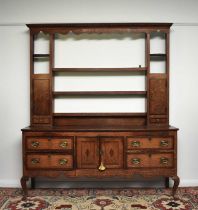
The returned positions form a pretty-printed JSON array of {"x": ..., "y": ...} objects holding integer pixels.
[
  {"x": 41, "y": 101},
  {"x": 87, "y": 152},
  {"x": 112, "y": 152},
  {"x": 41, "y": 97},
  {"x": 158, "y": 96}
]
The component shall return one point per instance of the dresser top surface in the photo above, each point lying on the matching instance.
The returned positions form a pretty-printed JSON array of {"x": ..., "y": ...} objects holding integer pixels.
[{"x": 88, "y": 128}]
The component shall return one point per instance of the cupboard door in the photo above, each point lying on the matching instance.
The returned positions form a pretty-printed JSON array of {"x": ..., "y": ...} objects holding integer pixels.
[
  {"x": 111, "y": 150},
  {"x": 87, "y": 152},
  {"x": 158, "y": 99},
  {"x": 158, "y": 95},
  {"x": 41, "y": 100}
]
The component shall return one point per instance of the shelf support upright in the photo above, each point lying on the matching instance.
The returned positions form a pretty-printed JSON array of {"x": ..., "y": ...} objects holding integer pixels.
[
  {"x": 51, "y": 66},
  {"x": 31, "y": 74},
  {"x": 167, "y": 71},
  {"x": 147, "y": 64}
]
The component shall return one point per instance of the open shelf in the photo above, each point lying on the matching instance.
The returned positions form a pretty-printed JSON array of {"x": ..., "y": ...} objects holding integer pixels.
[
  {"x": 158, "y": 55},
  {"x": 157, "y": 42},
  {"x": 128, "y": 114},
  {"x": 41, "y": 63},
  {"x": 113, "y": 93},
  {"x": 139, "y": 69}
]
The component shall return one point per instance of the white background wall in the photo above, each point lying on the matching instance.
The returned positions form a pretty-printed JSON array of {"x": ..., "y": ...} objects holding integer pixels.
[{"x": 14, "y": 68}]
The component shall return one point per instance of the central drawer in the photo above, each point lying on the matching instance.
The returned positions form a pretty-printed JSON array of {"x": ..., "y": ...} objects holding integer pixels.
[
  {"x": 42, "y": 161},
  {"x": 49, "y": 143}
]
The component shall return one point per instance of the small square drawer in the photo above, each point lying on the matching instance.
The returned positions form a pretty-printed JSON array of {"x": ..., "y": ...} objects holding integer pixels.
[
  {"x": 44, "y": 161},
  {"x": 150, "y": 160},
  {"x": 158, "y": 120},
  {"x": 149, "y": 143},
  {"x": 48, "y": 143}
]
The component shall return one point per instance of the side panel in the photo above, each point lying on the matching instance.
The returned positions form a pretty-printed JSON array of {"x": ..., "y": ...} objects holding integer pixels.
[
  {"x": 158, "y": 99},
  {"x": 41, "y": 100}
]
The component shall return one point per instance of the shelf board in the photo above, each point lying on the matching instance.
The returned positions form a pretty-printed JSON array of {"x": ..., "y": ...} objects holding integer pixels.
[
  {"x": 158, "y": 55},
  {"x": 120, "y": 114},
  {"x": 138, "y": 69},
  {"x": 41, "y": 55},
  {"x": 97, "y": 93}
]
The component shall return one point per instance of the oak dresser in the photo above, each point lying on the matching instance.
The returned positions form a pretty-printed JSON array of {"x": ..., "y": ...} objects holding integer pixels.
[{"x": 99, "y": 144}]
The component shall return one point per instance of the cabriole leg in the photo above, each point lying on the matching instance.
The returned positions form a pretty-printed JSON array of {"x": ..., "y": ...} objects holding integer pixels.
[{"x": 24, "y": 180}]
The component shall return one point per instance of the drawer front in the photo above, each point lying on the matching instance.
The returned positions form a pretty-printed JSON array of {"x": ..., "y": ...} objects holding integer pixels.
[
  {"x": 134, "y": 143},
  {"x": 150, "y": 160},
  {"x": 49, "y": 161},
  {"x": 44, "y": 143},
  {"x": 158, "y": 120}
]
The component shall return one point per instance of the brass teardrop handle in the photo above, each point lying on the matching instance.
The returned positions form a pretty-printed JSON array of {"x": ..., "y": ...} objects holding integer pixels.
[
  {"x": 102, "y": 167},
  {"x": 164, "y": 160},
  {"x": 164, "y": 143},
  {"x": 135, "y": 143},
  {"x": 64, "y": 144},
  {"x": 35, "y": 144},
  {"x": 63, "y": 161},
  {"x": 35, "y": 161}
]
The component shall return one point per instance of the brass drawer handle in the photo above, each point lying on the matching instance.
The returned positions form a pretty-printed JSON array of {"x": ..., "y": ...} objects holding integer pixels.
[
  {"x": 35, "y": 161},
  {"x": 164, "y": 161},
  {"x": 135, "y": 143},
  {"x": 63, "y": 161},
  {"x": 35, "y": 144},
  {"x": 164, "y": 143},
  {"x": 135, "y": 161},
  {"x": 102, "y": 167},
  {"x": 64, "y": 144}
]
